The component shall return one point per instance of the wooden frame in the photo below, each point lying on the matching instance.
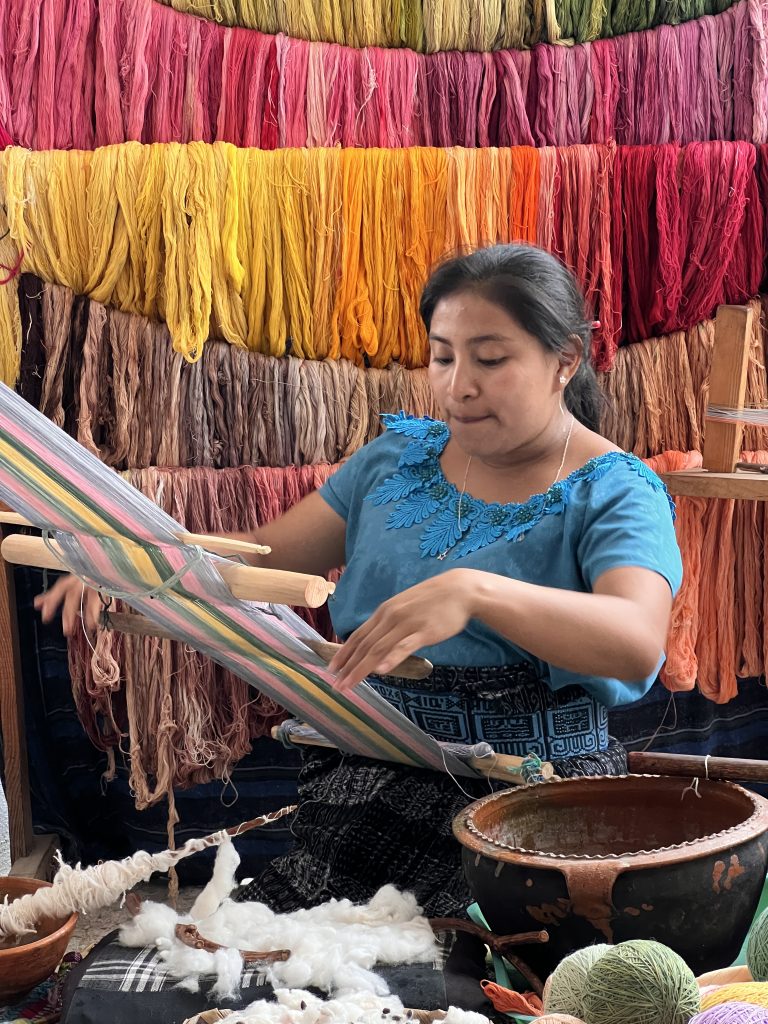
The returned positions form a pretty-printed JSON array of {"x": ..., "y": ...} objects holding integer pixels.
[{"x": 721, "y": 475}]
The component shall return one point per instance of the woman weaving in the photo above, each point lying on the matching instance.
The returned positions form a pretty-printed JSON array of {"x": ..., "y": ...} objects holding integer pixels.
[{"x": 529, "y": 559}]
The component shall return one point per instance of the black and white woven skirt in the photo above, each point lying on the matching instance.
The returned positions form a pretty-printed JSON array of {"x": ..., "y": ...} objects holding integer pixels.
[{"x": 362, "y": 823}]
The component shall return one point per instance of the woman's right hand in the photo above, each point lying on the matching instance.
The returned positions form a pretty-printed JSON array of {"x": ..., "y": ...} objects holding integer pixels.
[{"x": 71, "y": 595}]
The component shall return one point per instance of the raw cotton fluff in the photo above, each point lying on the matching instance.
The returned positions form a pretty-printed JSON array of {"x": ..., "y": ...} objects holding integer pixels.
[
  {"x": 294, "y": 1006},
  {"x": 333, "y": 947}
]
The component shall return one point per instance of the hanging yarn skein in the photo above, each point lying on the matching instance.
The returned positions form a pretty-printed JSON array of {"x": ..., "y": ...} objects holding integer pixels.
[
  {"x": 273, "y": 91},
  {"x": 448, "y": 24},
  {"x": 113, "y": 381},
  {"x": 228, "y": 250}
]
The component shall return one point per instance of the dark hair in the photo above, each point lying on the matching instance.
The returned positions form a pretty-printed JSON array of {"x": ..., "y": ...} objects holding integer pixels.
[{"x": 542, "y": 295}]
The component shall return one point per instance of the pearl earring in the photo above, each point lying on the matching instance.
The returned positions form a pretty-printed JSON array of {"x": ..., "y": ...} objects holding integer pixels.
[{"x": 563, "y": 380}]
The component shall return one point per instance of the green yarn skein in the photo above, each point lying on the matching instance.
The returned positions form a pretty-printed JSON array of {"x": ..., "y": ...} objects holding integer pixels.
[
  {"x": 757, "y": 948},
  {"x": 640, "y": 982},
  {"x": 564, "y": 991}
]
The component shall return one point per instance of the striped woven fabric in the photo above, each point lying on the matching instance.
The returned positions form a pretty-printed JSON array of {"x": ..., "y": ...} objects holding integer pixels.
[{"x": 120, "y": 542}]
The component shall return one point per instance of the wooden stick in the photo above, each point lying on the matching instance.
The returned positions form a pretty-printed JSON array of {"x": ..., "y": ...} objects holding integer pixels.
[
  {"x": 690, "y": 766},
  {"x": 139, "y": 625},
  {"x": 505, "y": 767},
  {"x": 727, "y": 386},
  {"x": 219, "y": 545},
  {"x": 699, "y": 483},
  {"x": 12, "y": 727},
  {"x": 246, "y": 582}
]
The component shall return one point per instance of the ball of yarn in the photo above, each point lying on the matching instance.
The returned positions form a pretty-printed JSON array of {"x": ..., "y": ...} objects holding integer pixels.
[
  {"x": 563, "y": 1018},
  {"x": 564, "y": 990},
  {"x": 640, "y": 982},
  {"x": 753, "y": 992},
  {"x": 757, "y": 948},
  {"x": 732, "y": 1013}
]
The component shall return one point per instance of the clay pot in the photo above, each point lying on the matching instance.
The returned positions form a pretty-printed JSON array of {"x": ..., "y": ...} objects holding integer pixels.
[
  {"x": 610, "y": 859},
  {"x": 26, "y": 965}
]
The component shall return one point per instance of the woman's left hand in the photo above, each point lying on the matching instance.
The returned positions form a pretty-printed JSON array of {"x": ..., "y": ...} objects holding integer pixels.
[{"x": 421, "y": 616}]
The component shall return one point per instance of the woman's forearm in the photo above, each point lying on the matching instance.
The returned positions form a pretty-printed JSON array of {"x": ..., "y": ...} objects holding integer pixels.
[{"x": 590, "y": 634}]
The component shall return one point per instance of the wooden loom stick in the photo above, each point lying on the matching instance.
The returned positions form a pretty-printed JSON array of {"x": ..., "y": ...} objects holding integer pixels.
[
  {"x": 689, "y": 766},
  {"x": 246, "y": 582},
  {"x": 219, "y": 545},
  {"x": 727, "y": 386},
  {"x": 139, "y": 625},
  {"x": 720, "y": 475},
  {"x": 505, "y": 767}
]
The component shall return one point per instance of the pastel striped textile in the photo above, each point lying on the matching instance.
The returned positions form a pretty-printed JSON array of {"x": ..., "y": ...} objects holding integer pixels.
[
  {"x": 94, "y": 74},
  {"x": 110, "y": 534},
  {"x": 450, "y": 24},
  {"x": 322, "y": 253}
]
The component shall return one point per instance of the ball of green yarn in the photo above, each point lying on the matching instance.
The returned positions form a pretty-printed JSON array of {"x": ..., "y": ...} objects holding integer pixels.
[
  {"x": 640, "y": 982},
  {"x": 757, "y": 948},
  {"x": 564, "y": 991}
]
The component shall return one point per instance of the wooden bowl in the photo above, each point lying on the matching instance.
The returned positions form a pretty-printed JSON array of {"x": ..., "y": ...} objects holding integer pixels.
[{"x": 37, "y": 957}]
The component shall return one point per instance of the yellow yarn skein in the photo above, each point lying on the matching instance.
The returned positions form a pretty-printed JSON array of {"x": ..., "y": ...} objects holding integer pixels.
[
  {"x": 754, "y": 992},
  {"x": 325, "y": 249}
]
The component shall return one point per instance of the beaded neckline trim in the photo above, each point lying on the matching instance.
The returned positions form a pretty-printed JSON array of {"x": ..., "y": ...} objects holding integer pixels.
[{"x": 421, "y": 494}]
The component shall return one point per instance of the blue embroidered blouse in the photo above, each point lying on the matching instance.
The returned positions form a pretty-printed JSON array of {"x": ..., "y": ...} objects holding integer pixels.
[{"x": 400, "y": 512}]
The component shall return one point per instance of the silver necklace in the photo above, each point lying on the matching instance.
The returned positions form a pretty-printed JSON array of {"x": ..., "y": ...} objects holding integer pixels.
[{"x": 441, "y": 557}]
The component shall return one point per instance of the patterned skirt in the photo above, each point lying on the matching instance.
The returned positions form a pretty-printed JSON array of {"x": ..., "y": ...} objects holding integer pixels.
[{"x": 362, "y": 824}]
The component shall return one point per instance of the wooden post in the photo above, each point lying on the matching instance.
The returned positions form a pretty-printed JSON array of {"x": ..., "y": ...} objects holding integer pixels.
[
  {"x": 727, "y": 386},
  {"x": 12, "y": 720}
]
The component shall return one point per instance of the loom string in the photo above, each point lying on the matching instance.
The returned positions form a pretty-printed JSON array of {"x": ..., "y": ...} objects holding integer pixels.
[{"x": 197, "y": 558}]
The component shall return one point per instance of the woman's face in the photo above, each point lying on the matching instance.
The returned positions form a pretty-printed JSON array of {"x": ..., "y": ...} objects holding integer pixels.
[{"x": 497, "y": 386}]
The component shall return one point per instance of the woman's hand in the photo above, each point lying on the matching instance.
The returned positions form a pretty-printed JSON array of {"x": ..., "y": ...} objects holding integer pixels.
[
  {"x": 71, "y": 595},
  {"x": 424, "y": 615}
]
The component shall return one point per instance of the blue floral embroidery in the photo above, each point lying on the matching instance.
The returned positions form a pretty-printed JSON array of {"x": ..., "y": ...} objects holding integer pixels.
[{"x": 422, "y": 494}]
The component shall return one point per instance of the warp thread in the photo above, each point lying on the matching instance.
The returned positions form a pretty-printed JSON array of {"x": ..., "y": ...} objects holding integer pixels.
[
  {"x": 112, "y": 381},
  {"x": 187, "y": 720},
  {"x": 449, "y": 24},
  {"x": 111, "y": 74},
  {"x": 237, "y": 243}
]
